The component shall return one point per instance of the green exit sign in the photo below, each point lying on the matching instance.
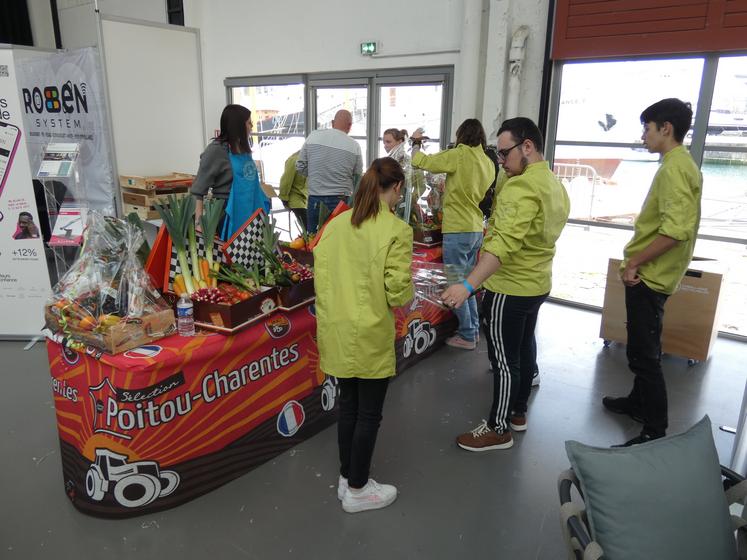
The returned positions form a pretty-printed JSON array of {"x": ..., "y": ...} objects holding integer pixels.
[{"x": 368, "y": 48}]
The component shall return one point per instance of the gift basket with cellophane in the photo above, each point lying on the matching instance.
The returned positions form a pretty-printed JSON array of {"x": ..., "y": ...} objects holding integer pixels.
[{"x": 106, "y": 299}]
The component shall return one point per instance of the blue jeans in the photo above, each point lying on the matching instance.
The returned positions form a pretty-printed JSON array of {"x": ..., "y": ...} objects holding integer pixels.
[
  {"x": 330, "y": 202},
  {"x": 460, "y": 251}
]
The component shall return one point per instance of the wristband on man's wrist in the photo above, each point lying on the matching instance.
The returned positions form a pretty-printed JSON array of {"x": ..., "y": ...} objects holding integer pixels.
[{"x": 467, "y": 285}]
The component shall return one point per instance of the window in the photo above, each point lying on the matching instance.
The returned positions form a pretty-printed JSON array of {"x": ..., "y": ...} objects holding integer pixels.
[
  {"x": 410, "y": 107},
  {"x": 279, "y": 124},
  {"x": 175, "y": 12},
  {"x": 286, "y": 108},
  {"x": 329, "y": 100},
  {"x": 595, "y": 146}
]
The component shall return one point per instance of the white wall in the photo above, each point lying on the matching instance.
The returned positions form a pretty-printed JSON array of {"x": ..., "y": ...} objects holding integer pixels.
[
  {"x": 294, "y": 36},
  {"x": 506, "y": 16},
  {"x": 42, "y": 28},
  {"x": 78, "y": 19},
  {"x": 266, "y": 37}
]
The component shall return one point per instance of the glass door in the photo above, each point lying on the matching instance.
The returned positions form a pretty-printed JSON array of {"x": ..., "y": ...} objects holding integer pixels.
[
  {"x": 329, "y": 100},
  {"x": 410, "y": 106}
]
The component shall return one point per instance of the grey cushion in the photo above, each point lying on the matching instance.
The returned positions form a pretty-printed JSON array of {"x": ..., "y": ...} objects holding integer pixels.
[{"x": 662, "y": 499}]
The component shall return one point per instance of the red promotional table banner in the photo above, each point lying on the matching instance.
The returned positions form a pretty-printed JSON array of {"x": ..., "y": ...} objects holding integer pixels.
[{"x": 164, "y": 423}]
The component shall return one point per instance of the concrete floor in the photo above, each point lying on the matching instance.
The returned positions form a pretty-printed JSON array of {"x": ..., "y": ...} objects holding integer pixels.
[{"x": 452, "y": 504}]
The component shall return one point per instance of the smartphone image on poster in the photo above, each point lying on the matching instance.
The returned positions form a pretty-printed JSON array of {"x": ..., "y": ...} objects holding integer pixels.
[{"x": 10, "y": 135}]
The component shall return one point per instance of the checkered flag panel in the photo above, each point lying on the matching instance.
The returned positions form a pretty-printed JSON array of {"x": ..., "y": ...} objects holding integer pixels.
[
  {"x": 244, "y": 247},
  {"x": 174, "y": 267}
]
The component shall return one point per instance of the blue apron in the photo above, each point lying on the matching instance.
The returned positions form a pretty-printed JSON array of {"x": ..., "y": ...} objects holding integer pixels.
[{"x": 246, "y": 194}]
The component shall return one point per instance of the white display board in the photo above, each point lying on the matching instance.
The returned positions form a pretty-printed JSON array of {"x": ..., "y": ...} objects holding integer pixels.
[
  {"x": 24, "y": 282},
  {"x": 154, "y": 79}
]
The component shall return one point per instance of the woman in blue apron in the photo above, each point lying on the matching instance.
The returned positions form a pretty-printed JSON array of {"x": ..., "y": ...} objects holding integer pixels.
[
  {"x": 246, "y": 194},
  {"x": 228, "y": 170}
]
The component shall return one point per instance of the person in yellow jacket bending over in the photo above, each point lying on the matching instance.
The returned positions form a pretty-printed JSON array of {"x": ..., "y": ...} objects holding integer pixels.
[
  {"x": 294, "y": 194},
  {"x": 362, "y": 270}
]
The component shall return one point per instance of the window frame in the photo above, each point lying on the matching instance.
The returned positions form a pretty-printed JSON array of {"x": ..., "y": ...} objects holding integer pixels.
[
  {"x": 373, "y": 80},
  {"x": 698, "y": 145}
]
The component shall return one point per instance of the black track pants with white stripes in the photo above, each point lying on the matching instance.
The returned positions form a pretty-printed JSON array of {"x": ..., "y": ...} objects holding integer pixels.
[{"x": 508, "y": 323}]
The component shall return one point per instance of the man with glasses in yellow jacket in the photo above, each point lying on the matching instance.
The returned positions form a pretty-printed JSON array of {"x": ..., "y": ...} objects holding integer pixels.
[{"x": 515, "y": 267}]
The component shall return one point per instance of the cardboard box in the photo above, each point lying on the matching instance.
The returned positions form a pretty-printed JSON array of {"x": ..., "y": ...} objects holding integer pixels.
[
  {"x": 291, "y": 296},
  {"x": 427, "y": 236},
  {"x": 143, "y": 202},
  {"x": 230, "y": 316},
  {"x": 690, "y": 314},
  {"x": 152, "y": 183}
]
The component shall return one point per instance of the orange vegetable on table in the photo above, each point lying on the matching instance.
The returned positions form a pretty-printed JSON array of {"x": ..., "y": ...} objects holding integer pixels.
[
  {"x": 178, "y": 285},
  {"x": 205, "y": 272},
  {"x": 87, "y": 323}
]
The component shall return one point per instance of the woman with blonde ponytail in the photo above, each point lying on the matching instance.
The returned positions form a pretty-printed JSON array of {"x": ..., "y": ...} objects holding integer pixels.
[{"x": 362, "y": 271}]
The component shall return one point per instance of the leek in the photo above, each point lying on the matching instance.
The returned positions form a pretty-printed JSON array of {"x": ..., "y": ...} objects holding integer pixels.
[
  {"x": 196, "y": 276},
  {"x": 177, "y": 216},
  {"x": 211, "y": 213}
]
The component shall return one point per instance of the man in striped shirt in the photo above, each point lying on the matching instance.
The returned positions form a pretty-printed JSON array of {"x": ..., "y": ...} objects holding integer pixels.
[{"x": 332, "y": 163}]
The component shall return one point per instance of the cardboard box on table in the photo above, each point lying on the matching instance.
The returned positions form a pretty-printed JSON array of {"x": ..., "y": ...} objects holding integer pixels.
[{"x": 690, "y": 314}]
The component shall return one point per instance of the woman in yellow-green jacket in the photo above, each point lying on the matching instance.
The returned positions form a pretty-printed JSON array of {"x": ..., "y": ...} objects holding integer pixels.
[
  {"x": 469, "y": 174},
  {"x": 362, "y": 270}
]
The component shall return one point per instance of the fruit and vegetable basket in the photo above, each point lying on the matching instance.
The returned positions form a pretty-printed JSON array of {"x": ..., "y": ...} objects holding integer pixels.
[
  {"x": 293, "y": 279},
  {"x": 231, "y": 284},
  {"x": 106, "y": 299}
]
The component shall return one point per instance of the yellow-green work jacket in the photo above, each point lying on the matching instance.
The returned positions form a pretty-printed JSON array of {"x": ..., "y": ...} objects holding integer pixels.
[{"x": 360, "y": 274}]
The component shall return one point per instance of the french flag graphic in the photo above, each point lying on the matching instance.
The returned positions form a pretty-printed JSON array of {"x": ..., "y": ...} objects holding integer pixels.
[{"x": 290, "y": 418}]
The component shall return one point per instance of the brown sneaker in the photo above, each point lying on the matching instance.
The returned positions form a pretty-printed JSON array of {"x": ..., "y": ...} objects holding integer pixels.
[
  {"x": 484, "y": 438},
  {"x": 518, "y": 422}
]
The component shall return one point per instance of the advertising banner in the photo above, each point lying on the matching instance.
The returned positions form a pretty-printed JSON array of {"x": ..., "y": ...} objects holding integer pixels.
[
  {"x": 63, "y": 101},
  {"x": 161, "y": 424},
  {"x": 24, "y": 281}
]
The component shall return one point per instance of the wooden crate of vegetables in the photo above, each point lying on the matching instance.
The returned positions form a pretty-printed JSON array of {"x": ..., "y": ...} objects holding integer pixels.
[
  {"x": 226, "y": 297},
  {"x": 107, "y": 332},
  {"x": 294, "y": 280}
]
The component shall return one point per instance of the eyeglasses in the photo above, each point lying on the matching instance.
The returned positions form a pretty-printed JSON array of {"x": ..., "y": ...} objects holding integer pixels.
[{"x": 503, "y": 154}]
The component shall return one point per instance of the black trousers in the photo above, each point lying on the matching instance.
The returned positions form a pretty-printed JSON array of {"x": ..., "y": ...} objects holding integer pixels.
[
  {"x": 645, "y": 310},
  {"x": 361, "y": 403},
  {"x": 301, "y": 215},
  {"x": 508, "y": 323}
]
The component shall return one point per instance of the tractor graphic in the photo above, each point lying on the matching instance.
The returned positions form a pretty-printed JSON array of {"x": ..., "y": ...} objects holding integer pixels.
[
  {"x": 329, "y": 393},
  {"x": 132, "y": 484},
  {"x": 420, "y": 336}
]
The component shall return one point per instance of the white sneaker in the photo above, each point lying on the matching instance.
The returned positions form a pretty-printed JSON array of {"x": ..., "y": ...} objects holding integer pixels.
[
  {"x": 372, "y": 496},
  {"x": 342, "y": 485},
  {"x": 536, "y": 380}
]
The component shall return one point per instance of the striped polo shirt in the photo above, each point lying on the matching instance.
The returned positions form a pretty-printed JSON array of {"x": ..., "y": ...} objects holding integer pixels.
[{"x": 331, "y": 161}]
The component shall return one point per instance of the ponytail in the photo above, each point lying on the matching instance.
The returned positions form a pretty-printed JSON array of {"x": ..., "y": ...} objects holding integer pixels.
[{"x": 383, "y": 175}]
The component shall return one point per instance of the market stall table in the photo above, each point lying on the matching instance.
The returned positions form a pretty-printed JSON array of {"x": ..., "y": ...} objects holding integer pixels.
[{"x": 161, "y": 424}]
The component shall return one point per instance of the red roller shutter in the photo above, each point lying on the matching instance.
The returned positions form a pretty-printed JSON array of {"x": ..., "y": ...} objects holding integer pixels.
[{"x": 607, "y": 28}]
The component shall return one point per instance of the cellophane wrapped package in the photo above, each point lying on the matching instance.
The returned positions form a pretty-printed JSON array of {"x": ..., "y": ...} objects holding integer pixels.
[{"x": 106, "y": 299}]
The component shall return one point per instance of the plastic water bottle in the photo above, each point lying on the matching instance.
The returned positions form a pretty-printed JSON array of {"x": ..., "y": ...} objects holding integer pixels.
[{"x": 185, "y": 319}]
